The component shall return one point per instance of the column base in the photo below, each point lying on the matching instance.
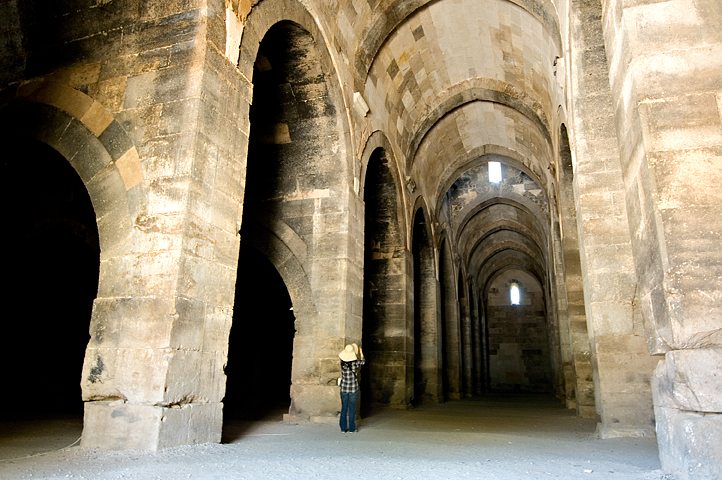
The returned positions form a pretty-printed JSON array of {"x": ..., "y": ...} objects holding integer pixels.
[
  {"x": 621, "y": 432},
  {"x": 126, "y": 426},
  {"x": 689, "y": 443}
]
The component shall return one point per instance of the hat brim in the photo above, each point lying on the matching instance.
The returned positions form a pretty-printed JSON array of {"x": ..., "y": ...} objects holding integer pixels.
[{"x": 347, "y": 356}]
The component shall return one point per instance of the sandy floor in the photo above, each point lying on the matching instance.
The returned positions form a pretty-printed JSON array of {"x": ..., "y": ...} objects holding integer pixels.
[{"x": 490, "y": 438}]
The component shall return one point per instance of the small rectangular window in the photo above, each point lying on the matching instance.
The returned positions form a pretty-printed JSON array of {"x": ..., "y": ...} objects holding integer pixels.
[
  {"x": 494, "y": 172},
  {"x": 514, "y": 291}
]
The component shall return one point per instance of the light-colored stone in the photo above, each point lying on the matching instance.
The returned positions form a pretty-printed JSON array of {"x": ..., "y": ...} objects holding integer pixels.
[
  {"x": 690, "y": 380},
  {"x": 118, "y": 425}
]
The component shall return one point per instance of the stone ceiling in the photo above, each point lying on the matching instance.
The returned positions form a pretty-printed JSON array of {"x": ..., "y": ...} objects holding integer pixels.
[{"x": 454, "y": 84}]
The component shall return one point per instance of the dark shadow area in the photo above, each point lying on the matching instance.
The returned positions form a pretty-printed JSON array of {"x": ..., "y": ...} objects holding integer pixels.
[
  {"x": 51, "y": 260},
  {"x": 260, "y": 347},
  {"x": 23, "y": 436},
  {"x": 425, "y": 383},
  {"x": 382, "y": 282},
  {"x": 290, "y": 121}
]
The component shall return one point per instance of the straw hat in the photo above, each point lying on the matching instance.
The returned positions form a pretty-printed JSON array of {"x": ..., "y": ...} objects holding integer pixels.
[{"x": 349, "y": 354}]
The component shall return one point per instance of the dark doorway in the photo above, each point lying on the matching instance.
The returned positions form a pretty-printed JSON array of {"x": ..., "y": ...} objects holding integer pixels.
[
  {"x": 261, "y": 342},
  {"x": 51, "y": 260}
]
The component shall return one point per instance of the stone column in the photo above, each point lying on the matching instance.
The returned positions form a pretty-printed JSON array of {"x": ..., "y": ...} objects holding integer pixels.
[
  {"x": 622, "y": 366},
  {"x": 153, "y": 374},
  {"x": 477, "y": 342},
  {"x": 578, "y": 371},
  {"x": 665, "y": 70},
  {"x": 451, "y": 334},
  {"x": 468, "y": 345}
]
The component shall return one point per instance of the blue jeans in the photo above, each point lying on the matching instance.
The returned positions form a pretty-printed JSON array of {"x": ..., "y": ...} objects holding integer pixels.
[{"x": 348, "y": 409}]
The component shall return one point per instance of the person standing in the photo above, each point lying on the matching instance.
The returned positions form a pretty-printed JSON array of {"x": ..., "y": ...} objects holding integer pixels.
[{"x": 350, "y": 364}]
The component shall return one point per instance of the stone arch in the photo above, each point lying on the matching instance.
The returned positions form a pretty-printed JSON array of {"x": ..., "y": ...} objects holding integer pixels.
[
  {"x": 501, "y": 261},
  {"x": 107, "y": 162},
  {"x": 297, "y": 163},
  {"x": 379, "y": 140},
  {"x": 421, "y": 205},
  {"x": 443, "y": 163},
  {"x": 476, "y": 90},
  {"x": 486, "y": 154},
  {"x": 262, "y": 18},
  {"x": 530, "y": 227},
  {"x": 88, "y": 136},
  {"x": 385, "y": 267},
  {"x": 506, "y": 239},
  {"x": 287, "y": 252}
]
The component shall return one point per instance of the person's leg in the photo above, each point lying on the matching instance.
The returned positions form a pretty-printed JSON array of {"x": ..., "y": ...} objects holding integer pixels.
[
  {"x": 344, "y": 411},
  {"x": 352, "y": 397}
]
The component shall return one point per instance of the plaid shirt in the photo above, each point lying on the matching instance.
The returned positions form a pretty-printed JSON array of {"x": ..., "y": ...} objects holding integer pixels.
[{"x": 349, "y": 380}]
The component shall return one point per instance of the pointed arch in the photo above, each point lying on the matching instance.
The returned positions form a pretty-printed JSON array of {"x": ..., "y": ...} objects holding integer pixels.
[{"x": 427, "y": 346}]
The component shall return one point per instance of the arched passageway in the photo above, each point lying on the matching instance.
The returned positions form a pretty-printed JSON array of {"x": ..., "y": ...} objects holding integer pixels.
[
  {"x": 503, "y": 237},
  {"x": 261, "y": 342},
  {"x": 51, "y": 264},
  {"x": 293, "y": 156},
  {"x": 519, "y": 357},
  {"x": 384, "y": 314}
]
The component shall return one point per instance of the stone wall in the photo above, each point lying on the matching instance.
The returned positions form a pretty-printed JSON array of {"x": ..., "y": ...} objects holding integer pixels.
[{"x": 519, "y": 357}]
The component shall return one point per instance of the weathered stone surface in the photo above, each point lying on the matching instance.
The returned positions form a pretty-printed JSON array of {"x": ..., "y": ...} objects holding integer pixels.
[
  {"x": 609, "y": 261},
  {"x": 118, "y": 425},
  {"x": 688, "y": 443},
  {"x": 690, "y": 380},
  {"x": 314, "y": 402}
]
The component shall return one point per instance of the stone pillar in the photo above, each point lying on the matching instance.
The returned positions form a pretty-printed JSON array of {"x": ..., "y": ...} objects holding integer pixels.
[
  {"x": 450, "y": 334},
  {"x": 467, "y": 347},
  {"x": 153, "y": 373},
  {"x": 687, "y": 402},
  {"x": 578, "y": 370},
  {"x": 666, "y": 65},
  {"x": 477, "y": 342},
  {"x": 386, "y": 346},
  {"x": 621, "y": 364}
]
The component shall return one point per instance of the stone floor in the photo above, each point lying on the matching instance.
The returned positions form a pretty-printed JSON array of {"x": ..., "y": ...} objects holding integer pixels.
[{"x": 483, "y": 438}]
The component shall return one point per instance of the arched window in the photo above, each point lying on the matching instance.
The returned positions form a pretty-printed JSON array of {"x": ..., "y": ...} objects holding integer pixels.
[{"x": 514, "y": 293}]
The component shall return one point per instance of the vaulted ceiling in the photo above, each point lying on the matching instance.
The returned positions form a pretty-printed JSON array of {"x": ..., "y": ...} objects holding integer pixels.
[{"x": 455, "y": 84}]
